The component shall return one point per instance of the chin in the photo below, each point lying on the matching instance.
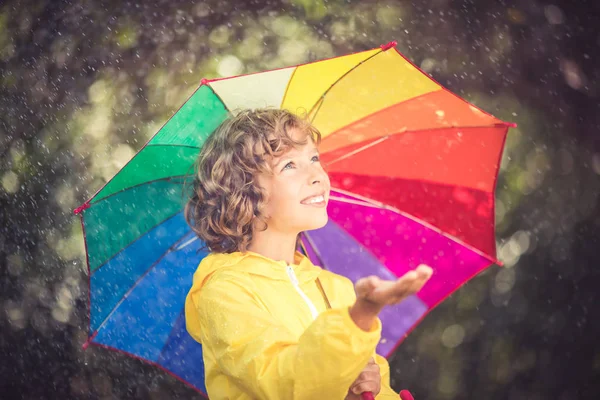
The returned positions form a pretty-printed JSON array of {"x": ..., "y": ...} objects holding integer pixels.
[{"x": 317, "y": 222}]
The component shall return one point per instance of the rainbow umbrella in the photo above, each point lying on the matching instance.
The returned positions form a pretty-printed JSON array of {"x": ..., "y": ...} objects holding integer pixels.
[{"x": 413, "y": 170}]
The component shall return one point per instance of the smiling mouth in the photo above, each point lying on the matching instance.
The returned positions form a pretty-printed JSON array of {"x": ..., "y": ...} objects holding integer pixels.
[{"x": 315, "y": 200}]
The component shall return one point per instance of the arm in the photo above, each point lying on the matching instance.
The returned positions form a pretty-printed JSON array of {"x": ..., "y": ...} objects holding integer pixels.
[{"x": 269, "y": 362}]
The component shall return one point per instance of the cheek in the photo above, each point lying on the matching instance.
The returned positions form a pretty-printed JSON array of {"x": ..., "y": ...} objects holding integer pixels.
[
  {"x": 282, "y": 199},
  {"x": 326, "y": 179}
]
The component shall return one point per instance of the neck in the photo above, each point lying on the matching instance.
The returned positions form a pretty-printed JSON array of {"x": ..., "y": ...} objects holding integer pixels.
[{"x": 274, "y": 245}]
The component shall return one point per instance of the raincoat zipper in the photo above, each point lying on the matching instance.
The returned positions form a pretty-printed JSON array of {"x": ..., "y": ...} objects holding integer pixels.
[{"x": 311, "y": 306}]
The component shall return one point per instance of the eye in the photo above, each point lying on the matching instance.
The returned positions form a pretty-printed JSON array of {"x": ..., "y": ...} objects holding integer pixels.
[
  {"x": 287, "y": 165},
  {"x": 317, "y": 158}
]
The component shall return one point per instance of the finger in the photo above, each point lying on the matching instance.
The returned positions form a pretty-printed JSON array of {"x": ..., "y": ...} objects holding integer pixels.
[
  {"x": 367, "y": 376},
  {"x": 395, "y": 288},
  {"x": 366, "y": 285},
  {"x": 409, "y": 284},
  {"x": 424, "y": 271},
  {"x": 403, "y": 286},
  {"x": 373, "y": 282},
  {"x": 362, "y": 387},
  {"x": 371, "y": 367},
  {"x": 414, "y": 280},
  {"x": 416, "y": 285},
  {"x": 392, "y": 292}
]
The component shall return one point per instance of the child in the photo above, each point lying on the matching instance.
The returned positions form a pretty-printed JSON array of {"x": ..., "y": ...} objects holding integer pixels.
[{"x": 273, "y": 325}]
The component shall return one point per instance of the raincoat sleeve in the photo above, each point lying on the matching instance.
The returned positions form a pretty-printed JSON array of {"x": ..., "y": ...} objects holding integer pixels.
[
  {"x": 265, "y": 359},
  {"x": 348, "y": 296},
  {"x": 386, "y": 391}
]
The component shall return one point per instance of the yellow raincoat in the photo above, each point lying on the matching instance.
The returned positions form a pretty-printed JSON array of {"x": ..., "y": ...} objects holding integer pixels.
[{"x": 267, "y": 333}]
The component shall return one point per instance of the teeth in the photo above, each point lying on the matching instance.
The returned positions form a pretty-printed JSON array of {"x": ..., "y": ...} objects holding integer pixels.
[{"x": 317, "y": 199}]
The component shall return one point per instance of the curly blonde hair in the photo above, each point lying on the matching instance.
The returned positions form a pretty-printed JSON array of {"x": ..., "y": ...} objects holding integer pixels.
[{"x": 226, "y": 196}]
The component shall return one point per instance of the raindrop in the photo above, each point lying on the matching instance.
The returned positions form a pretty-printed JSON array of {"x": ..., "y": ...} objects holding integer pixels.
[
  {"x": 230, "y": 65},
  {"x": 16, "y": 315},
  {"x": 566, "y": 160},
  {"x": 505, "y": 280},
  {"x": 428, "y": 65},
  {"x": 519, "y": 242},
  {"x": 10, "y": 182},
  {"x": 453, "y": 336},
  {"x": 572, "y": 74},
  {"x": 596, "y": 163},
  {"x": 554, "y": 15}
]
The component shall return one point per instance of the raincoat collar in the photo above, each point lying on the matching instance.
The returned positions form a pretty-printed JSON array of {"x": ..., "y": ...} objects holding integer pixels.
[{"x": 256, "y": 264}]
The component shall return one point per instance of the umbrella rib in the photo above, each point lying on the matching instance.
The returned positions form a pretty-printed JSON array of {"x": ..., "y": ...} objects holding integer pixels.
[
  {"x": 510, "y": 124},
  {"x": 169, "y": 338},
  {"x": 187, "y": 146},
  {"x": 376, "y": 204},
  {"x": 351, "y": 236},
  {"x": 153, "y": 136},
  {"x": 135, "y": 240},
  {"x": 322, "y": 97},
  {"x": 442, "y": 88},
  {"x": 373, "y": 114},
  {"x": 359, "y": 203},
  {"x": 168, "y": 178},
  {"x": 380, "y": 111},
  {"x": 356, "y": 151},
  {"x": 314, "y": 248},
  {"x": 404, "y": 131},
  {"x": 124, "y": 297},
  {"x": 217, "y": 95},
  {"x": 287, "y": 87},
  {"x": 129, "y": 162}
]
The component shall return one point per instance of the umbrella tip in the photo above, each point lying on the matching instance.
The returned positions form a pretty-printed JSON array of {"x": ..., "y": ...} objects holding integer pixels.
[
  {"x": 506, "y": 124},
  {"x": 89, "y": 340},
  {"x": 204, "y": 81},
  {"x": 389, "y": 45},
  {"x": 82, "y": 207}
]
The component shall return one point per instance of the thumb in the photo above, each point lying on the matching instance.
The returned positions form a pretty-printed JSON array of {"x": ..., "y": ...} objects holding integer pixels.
[{"x": 364, "y": 286}]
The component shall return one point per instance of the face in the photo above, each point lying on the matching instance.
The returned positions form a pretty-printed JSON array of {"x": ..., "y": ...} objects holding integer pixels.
[{"x": 298, "y": 190}]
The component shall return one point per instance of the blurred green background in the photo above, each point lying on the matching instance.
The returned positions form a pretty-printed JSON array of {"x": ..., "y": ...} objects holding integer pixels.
[{"x": 84, "y": 84}]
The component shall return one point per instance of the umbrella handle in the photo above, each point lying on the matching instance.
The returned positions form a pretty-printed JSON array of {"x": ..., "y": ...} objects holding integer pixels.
[{"x": 404, "y": 395}]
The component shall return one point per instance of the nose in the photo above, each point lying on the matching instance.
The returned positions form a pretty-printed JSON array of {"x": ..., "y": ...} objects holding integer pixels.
[{"x": 316, "y": 175}]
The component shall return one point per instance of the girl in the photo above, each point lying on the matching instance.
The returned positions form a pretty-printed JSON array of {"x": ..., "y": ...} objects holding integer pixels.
[{"x": 272, "y": 325}]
